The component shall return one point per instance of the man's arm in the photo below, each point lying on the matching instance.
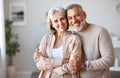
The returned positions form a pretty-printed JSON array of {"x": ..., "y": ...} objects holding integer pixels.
[{"x": 106, "y": 51}]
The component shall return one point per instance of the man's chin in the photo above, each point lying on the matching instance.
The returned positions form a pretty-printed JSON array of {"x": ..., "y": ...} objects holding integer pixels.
[
  {"x": 74, "y": 28},
  {"x": 77, "y": 28}
]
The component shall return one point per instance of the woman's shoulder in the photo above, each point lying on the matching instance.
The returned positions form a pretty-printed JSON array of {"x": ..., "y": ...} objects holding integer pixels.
[
  {"x": 47, "y": 36},
  {"x": 73, "y": 36}
]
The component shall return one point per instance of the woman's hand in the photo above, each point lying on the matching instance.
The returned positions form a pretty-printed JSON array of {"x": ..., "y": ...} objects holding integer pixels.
[
  {"x": 37, "y": 55},
  {"x": 44, "y": 54}
]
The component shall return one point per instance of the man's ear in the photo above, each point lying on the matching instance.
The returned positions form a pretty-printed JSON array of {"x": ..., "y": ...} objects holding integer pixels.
[{"x": 84, "y": 15}]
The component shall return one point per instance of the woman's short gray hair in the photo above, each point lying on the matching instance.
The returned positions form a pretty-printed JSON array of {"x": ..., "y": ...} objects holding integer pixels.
[
  {"x": 74, "y": 5},
  {"x": 51, "y": 13}
]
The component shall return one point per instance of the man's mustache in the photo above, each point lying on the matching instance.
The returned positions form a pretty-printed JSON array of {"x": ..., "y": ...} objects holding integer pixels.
[{"x": 75, "y": 22}]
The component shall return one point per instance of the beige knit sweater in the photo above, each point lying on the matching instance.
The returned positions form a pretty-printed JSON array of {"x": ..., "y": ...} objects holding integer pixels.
[{"x": 99, "y": 52}]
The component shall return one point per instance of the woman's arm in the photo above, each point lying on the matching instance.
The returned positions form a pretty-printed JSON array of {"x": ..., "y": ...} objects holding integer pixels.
[
  {"x": 43, "y": 62},
  {"x": 37, "y": 55}
]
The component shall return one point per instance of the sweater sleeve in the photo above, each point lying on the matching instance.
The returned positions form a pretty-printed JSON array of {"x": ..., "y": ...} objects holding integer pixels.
[
  {"x": 106, "y": 51},
  {"x": 44, "y": 63},
  {"x": 74, "y": 62}
]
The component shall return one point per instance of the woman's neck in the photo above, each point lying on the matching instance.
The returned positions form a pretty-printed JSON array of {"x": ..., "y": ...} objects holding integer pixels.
[
  {"x": 59, "y": 35},
  {"x": 58, "y": 39}
]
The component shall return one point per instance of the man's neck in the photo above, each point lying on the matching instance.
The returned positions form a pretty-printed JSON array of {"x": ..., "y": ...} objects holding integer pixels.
[{"x": 85, "y": 27}]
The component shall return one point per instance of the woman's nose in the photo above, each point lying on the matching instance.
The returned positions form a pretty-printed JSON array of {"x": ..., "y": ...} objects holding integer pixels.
[{"x": 60, "y": 22}]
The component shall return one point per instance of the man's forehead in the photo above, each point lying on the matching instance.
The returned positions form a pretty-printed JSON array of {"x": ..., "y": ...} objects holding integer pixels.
[{"x": 73, "y": 11}]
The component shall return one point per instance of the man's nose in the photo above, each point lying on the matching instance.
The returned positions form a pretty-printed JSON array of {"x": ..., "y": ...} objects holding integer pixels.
[{"x": 73, "y": 19}]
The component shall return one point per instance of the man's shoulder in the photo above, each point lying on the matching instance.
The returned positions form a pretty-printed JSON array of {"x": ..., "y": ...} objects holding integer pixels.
[{"x": 98, "y": 27}]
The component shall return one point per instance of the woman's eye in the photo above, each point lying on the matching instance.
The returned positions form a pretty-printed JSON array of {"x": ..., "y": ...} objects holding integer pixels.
[
  {"x": 62, "y": 18},
  {"x": 56, "y": 21}
]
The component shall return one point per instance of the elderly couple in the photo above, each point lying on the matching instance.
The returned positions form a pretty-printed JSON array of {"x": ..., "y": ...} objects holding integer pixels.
[{"x": 74, "y": 48}]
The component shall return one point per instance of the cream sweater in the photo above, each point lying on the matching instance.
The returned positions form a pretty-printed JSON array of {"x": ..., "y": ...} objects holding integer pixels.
[{"x": 98, "y": 50}]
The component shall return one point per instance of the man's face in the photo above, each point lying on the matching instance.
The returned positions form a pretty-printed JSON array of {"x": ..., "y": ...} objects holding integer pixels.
[{"x": 75, "y": 18}]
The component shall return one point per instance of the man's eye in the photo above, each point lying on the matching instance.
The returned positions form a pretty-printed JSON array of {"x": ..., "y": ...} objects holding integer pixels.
[
  {"x": 69, "y": 18},
  {"x": 78, "y": 15}
]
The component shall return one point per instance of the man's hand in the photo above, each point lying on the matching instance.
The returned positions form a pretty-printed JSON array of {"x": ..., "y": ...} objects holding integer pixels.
[{"x": 77, "y": 64}]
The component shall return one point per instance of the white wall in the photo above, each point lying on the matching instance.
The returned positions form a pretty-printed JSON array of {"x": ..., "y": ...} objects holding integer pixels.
[{"x": 101, "y": 12}]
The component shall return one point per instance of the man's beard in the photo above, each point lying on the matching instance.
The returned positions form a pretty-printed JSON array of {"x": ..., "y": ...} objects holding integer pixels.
[{"x": 71, "y": 28}]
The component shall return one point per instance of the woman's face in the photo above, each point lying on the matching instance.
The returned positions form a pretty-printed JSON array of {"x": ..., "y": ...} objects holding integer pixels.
[{"x": 59, "y": 22}]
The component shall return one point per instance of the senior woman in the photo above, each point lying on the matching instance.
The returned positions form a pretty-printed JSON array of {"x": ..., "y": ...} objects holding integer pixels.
[{"x": 60, "y": 53}]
